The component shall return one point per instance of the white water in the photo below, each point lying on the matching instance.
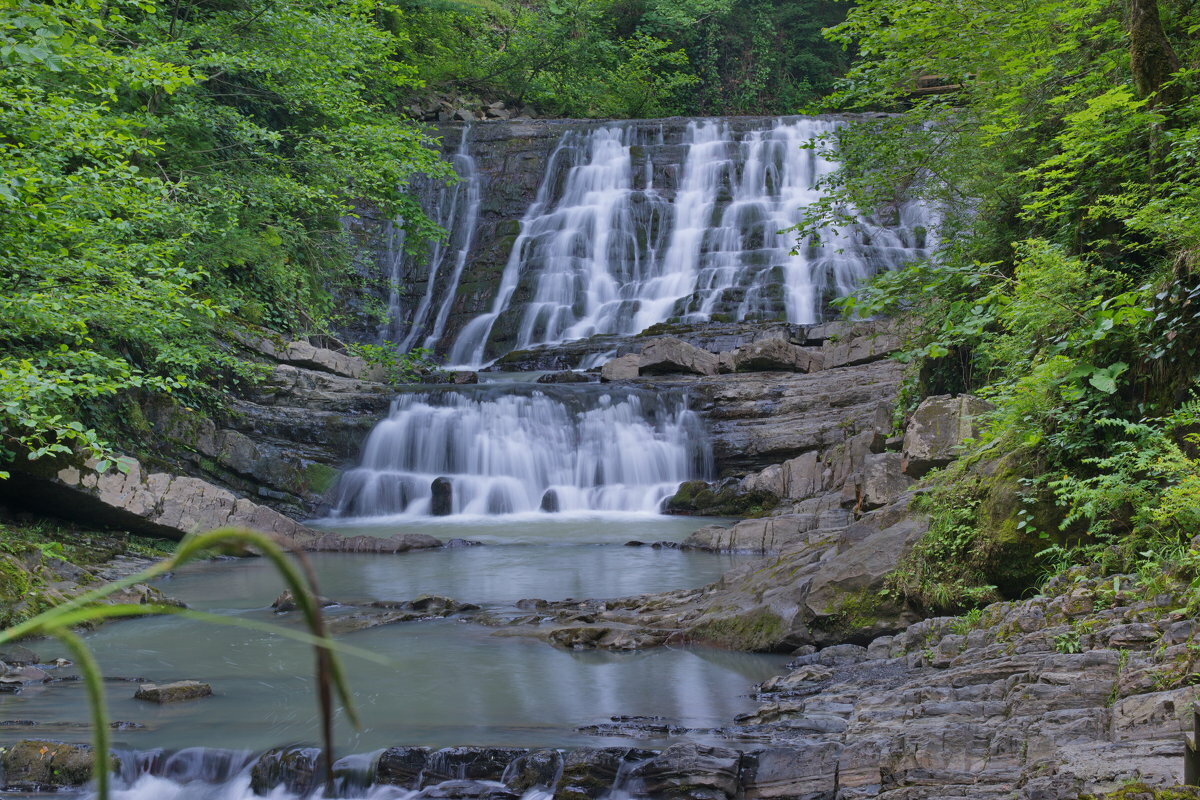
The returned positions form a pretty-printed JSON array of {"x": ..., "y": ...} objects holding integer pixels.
[
  {"x": 455, "y": 208},
  {"x": 521, "y": 448},
  {"x": 602, "y": 250}
]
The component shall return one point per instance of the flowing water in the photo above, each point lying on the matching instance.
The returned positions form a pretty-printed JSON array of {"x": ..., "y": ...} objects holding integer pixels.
[
  {"x": 514, "y": 448},
  {"x": 626, "y": 232}
]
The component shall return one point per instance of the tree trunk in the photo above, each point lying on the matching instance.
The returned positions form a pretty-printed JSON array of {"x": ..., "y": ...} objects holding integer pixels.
[{"x": 1150, "y": 53}]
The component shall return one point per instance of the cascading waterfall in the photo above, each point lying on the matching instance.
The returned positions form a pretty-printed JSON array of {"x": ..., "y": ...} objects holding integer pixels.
[
  {"x": 455, "y": 208},
  {"x": 604, "y": 250},
  {"x": 516, "y": 448}
]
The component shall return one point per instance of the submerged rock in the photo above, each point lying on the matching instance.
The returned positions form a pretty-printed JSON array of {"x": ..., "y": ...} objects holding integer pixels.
[{"x": 176, "y": 692}]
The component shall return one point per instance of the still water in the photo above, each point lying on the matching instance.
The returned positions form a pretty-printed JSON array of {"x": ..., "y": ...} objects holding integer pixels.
[{"x": 446, "y": 682}]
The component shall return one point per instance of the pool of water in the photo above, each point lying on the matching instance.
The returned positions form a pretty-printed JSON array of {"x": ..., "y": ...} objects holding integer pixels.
[{"x": 445, "y": 682}]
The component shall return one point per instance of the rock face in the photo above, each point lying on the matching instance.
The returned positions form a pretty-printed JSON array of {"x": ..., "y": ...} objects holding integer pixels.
[
  {"x": 995, "y": 707},
  {"x": 156, "y": 503},
  {"x": 937, "y": 428},
  {"x": 669, "y": 355}
]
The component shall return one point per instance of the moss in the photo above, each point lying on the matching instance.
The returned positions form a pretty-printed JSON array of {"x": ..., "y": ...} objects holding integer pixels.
[
  {"x": 704, "y": 499},
  {"x": 319, "y": 478},
  {"x": 856, "y": 610},
  {"x": 1142, "y": 791},
  {"x": 760, "y": 631},
  {"x": 985, "y": 531}
]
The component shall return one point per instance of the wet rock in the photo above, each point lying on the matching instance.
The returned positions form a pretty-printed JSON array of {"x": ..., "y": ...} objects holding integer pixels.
[
  {"x": 565, "y": 376},
  {"x": 295, "y": 768},
  {"x": 939, "y": 425},
  {"x": 623, "y": 368},
  {"x": 775, "y": 355},
  {"x": 464, "y": 377},
  {"x": 467, "y": 790},
  {"x": 35, "y": 764},
  {"x": 456, "y": 543},
  {"x": 287, "y": 602},
  {"x": 175, "y": 692},
  {"x": 442, "y": 502},
  {"x": 691, "y": 771},
  {"x": 550, "y": 501},
  {"x": 589, "y": 772},
  {"x": 23, "y": 676},
  {"x": 469, "y": 763},
  {"x": 670, "y": 355},
  {"x": 537, "y": 769},
  {"x": 401, "y": 766},
  {"x": 602, "y": 637}
]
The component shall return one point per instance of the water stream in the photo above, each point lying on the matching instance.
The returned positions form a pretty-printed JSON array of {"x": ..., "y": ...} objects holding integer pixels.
[
  {"x": 516, "y": 448},
  {"x": 628, "y": 230}
]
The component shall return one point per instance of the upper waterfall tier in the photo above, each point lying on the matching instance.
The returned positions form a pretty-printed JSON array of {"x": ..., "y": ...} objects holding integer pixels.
[
  {"x": 514, "y": 448},
  {"x": 560, "y": 231}
]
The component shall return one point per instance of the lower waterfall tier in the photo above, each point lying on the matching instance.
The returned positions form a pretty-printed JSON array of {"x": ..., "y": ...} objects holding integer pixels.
[{"x": 517, "y": 448}]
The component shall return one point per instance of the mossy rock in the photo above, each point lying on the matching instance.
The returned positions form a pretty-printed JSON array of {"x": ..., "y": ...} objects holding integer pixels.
[
  {"x": 40, "y": 763},
  {"x": 757, "y": 631},
  {"x": 704, "y": 499}
]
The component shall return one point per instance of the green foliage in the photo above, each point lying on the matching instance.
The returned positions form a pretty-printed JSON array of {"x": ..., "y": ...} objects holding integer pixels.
[
  {"x": 167, "y": 171},
  {"x": 1063, "y": 289},
  {"x": 626, "y": 58},
  {"x": 398, "y": 367}
]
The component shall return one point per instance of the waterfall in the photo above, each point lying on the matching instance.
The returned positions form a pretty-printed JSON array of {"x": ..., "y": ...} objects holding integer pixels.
[
  {"x": 628, "y": 230},
  {"x": 516, "y": 448},
  {"x": 455, "y": 208}
]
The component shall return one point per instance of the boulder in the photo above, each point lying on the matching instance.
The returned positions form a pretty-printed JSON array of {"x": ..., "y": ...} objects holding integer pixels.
[
  {"x": 172, "y": 692},
  {"x": 464, "y": 377},
  {"x": 883, "y": 479},
  {"x": 17, "y": 656},
  {"x": 939, "y": 425},
  {"x": 441, "y": 503},
  {"x": 669, "y": 355},
  {"x": 621, "y": 369},
  {"x": 776, "y": 355}
]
